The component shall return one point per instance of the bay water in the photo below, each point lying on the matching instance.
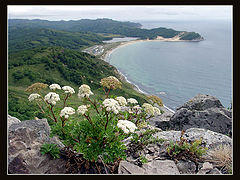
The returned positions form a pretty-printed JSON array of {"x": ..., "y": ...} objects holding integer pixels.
[{"x": 178, "y": 71}]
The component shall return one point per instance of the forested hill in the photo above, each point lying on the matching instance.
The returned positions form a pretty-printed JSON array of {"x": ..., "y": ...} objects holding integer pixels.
[
  {"x": 21, "y": 38},
  {"x": 129, "y": 29}
]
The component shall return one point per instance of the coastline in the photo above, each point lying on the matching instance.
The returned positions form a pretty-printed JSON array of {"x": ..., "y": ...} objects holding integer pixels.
[
  {"x": 107, "y": 53},
  {"x": 159, "y": 38}
]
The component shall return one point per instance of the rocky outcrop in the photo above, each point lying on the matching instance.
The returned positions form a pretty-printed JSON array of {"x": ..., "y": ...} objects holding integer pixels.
[
  {"x": 202, "y": 111},
  {"x": 163, "y": 167},
  {"x": 156, "y": 154},
  {"x": 12, "y": 120},
  {"x": 209, "y": 138},
  {"x": 24, "y": 142}
]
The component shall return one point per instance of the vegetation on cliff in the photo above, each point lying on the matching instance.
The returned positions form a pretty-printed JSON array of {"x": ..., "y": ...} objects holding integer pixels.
[
  {"x": 56, "y": 65},
  {"x": 129, "y": 29}
]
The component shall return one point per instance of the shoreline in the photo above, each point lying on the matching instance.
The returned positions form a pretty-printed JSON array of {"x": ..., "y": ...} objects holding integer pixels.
[
  {"x": 159, "y": 38},
  {"x": 105, "y": 56}
]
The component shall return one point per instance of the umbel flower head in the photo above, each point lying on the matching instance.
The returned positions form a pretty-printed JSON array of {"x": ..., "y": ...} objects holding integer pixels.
[
  {"x": 82, "y": 109},
  {"x": 54, "y": 86},
  {"x": 126, "y": 126},
  {"x": 121, "y": 100},
  {"x": 36, "y": 87},
  {"x": 52, "y": 98},
  {"x": 68, "y": 90},
  {"x": 84, "y": 91},
  {"x": 148, "y": 108},
  {"x": 132, "y": 101},
  {"x": 111, "y": 105},
  {"x": 66, "y": 112},
  {"x": 111, "y": 82},
  {"x": 34, "y": 96}
]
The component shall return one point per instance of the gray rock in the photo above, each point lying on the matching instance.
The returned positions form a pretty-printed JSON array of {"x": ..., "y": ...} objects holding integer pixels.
[
  {"x": 207, "y": 167},
  {"x": 129, "y": 168},
  {"x": 12, "y": 120},
  {"x": 202, "y": 111},
  {"x": 186, "y": 167},
  {"x": 164, "y": 117},
  {"x": 214, "y": 171},
  {"x": 202, "y": 102},
  {"x": 209, "y": 138},
  {"x": 24, "y": 142},
  {"x": 161, "y": 167}
]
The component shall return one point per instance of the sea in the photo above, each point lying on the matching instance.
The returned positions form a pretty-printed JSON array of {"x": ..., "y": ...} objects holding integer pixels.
[{"x": 178, "y": 71}]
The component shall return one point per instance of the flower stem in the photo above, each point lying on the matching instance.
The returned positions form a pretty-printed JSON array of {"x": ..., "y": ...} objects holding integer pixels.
[
  {"x": 51, "y": 109},
  {"x": 89, "y": 120},
  {"x": 107, "y": 120},
  {"x": 94, "y": 104},
  {"x": 64, "y": 105}
]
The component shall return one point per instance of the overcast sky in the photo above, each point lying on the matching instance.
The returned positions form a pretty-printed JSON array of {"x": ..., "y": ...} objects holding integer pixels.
[{"x": 122, "y": 13}]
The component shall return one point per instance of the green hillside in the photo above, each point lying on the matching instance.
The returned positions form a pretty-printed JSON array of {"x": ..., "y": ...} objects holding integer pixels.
[
  {"x": 21, "y": 38},
  {"x": 56, "y": 65},
  {"x": 129, "y": 29}
]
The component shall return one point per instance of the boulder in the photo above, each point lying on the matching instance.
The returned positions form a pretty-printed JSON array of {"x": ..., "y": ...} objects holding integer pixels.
[
  {"x": 12, "y": 120},
  {"x": 206, "y": 168},
  {"x": 24, "y": 142},
  {"x": 202, "y": 111},
  {"x": 202, "y": 102},
  {"x": 126, "y": 167},
  {"x": 209, "y": 138},
  {"x": 160, "y": 167},
  {"x": 186, "y": 167}
]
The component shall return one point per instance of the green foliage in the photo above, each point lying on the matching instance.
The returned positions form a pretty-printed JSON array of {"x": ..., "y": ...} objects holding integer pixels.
[
  {"x": 51, "y": 149},
  {"x": 182, "y": 148},
  {"x": 101, "y": 26},
  {"x": 19, "y": 106},
  {"x": 190, "y": 36},
  {"x": 57, "y": 65},
  {"x": 95, "y": 130},
  {"x": 146, "y": 138},
  {"x": 23, "y": 38},
  {"x": 143, "y": 159}
]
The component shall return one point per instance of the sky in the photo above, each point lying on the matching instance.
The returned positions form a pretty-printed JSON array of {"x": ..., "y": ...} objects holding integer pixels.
[{"x": 121, "y": 13}]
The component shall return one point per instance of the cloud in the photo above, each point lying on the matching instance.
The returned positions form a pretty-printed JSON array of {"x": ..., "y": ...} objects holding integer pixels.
[{"x": 124, "y": 13}]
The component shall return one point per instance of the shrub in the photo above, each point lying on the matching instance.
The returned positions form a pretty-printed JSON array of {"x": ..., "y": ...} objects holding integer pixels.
[{"x": 96, "y": 128}]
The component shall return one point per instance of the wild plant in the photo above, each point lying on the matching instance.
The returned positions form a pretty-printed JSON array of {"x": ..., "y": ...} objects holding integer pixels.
[{"x": 96, "y": 127}]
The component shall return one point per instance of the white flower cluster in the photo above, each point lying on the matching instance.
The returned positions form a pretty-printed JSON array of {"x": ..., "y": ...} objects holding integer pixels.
[
  {"x": 68, "y": 90},
  {"x": 136, "y": 108},
  {"x": 66, "y": 112},
  {"x": 121, "y": 100},
  {"x": 52, "y": 98},
  {"x": 54, "y": 86},
  {"x": 33, "y": 96},
  {"x": 84, "y": 91},
  {"x": 126, "y": 126},
  {"x": 150, "y": 109},
  {"x": 111, "y": 105},
  {"x": 132, "y": 101},
  {"x": 157, "y": 111},
  {"x": 82, "y": 109}
]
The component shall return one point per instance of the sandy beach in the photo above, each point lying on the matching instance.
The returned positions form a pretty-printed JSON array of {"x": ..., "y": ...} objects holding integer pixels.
[
  {"x": 125, "y": 43},
  {"x": 105, "y": 55}
]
